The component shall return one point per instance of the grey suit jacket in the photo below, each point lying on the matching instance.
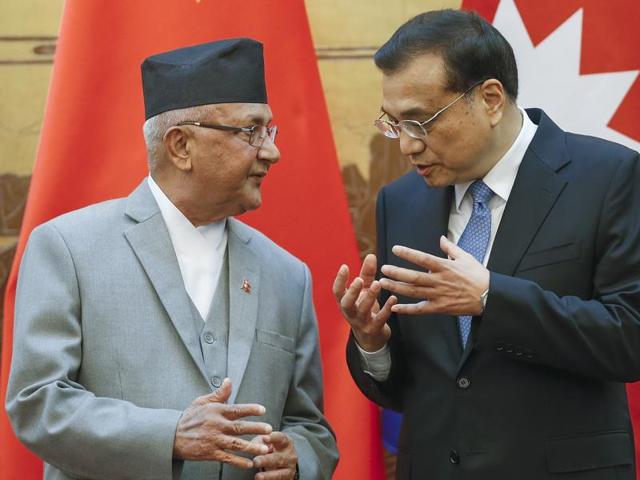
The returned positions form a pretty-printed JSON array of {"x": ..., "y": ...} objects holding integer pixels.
[{"x": 105, "y": 356}]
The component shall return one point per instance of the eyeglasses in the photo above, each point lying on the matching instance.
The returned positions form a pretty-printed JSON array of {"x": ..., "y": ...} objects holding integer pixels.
[
  {"x": 413, "y": 128},
  {"x": 257, "y": 133}
]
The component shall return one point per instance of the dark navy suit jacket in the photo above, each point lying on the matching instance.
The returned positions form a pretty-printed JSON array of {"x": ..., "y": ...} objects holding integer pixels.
[{"x": 538, "y": 393}]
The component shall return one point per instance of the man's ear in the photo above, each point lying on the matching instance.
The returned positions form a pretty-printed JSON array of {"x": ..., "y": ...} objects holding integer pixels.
[
  {"x": 177, "y": 144},
  {"x": 493, "y": 99}
]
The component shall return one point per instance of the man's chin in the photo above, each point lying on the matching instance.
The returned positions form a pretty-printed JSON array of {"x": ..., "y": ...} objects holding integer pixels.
[
  {"x": 252, "y": 204},
  {"x": 435, "y": 182}
]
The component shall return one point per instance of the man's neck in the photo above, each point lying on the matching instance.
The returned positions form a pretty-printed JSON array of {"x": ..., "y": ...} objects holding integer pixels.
[
  {"x": 177, "y": 194},
  {"x": 505, "y": 135}
]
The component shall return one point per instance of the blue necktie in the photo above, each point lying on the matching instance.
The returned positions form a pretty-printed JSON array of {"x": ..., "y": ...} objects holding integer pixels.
[{"x": 475, "y": 239}]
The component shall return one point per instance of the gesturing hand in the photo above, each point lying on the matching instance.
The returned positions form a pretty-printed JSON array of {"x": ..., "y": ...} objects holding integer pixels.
[
  {"x": 453, "y": 286},
  {"x": 209, "y": 428},
  {"x": 360, "y": 307},
  {"x": 280, "y": 462}
]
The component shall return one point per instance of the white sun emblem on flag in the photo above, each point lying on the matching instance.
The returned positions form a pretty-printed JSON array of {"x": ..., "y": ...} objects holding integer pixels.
[{"x": 550, "y": 77}]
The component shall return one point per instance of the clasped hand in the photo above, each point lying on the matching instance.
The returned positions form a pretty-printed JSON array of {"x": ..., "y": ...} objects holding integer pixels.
[{"x": 210, "y": 429}]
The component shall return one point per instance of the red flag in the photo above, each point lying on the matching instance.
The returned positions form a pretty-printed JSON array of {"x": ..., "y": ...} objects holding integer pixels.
[
  {"x": 92, "y": 149},
  {"x": 609, "y": 44}
]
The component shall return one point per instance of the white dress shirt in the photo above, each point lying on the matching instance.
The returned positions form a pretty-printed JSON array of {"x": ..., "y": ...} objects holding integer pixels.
[
  {"x": 500, "y": 180},
  {"x": 200, "y": 250}
]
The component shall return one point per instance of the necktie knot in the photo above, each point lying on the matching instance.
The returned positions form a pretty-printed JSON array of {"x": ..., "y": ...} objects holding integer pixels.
[{"x": 481, "y": 193}]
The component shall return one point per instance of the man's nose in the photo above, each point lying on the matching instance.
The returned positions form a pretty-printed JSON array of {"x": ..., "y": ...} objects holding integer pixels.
[
  {"x": 409, "y": 145},
  {"x": 269, "y": 151}
]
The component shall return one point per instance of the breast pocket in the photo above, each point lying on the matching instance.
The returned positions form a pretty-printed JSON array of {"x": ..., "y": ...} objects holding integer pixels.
[
  {"x": 275, "y": 339},
  {"x": 270, "y": 371},
  {"x": 550, "y": 255}
]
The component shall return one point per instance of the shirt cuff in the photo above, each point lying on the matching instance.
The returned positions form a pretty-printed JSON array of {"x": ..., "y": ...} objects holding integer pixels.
[{"x": 376, "y": 364}]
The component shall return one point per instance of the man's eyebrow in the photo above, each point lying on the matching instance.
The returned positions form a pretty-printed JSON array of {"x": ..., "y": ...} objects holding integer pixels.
[
  {"x": 415, "y": 113},
  {"x": 384, "y": 112},
  {"x": 412, "y": 114},
  {"x": 259, "y": 120}
]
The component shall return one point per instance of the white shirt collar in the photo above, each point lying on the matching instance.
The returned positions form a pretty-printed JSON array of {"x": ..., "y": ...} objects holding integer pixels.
[
  {"x": 501, "y": 177},
  {"x": 186, "y": 238}
]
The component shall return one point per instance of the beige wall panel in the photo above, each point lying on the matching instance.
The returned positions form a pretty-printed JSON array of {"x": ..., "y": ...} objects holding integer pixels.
[
  {"x": 30, "y": 17},
  {"x": 352, "y": 92},
  {"x": 28, "y": 31},
  {"x": 342, "y": 23},
  {"x": 22, "y": 100},
  {"x": 346, "y": 35}
]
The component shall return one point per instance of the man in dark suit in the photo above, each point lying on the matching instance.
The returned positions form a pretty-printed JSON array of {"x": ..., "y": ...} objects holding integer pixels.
[{"x": 512, "y": 256}]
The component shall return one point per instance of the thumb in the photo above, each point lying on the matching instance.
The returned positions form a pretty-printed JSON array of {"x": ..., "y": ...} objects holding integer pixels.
[
  {"x": 222, "y": 394},
  {"x": 452, "y": 250}
]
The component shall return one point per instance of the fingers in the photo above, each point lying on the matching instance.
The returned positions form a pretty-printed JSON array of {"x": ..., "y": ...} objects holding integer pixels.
[
  {"x": 408, "y": 276},
  {"x": 231, "y": 459},
  {"x": 340, "y": 283},
  {"x": 247, "y": 428},
  {"x": 221, "y": 395},
  {"x": 278, "y": 439},
  {"x": 279, "y": 462},
  {"x": 406, "y": 289},
  {"x": 385, "y": 312},
  {"x": 237, "y": 444},
  {"x": 273, "y": 461},
  {"x": 423, "y": 307},
  {"x": 368, "y": 270},
  {"x": 452, "y": 250},
  {"x": 280, "y": 474},
  {"x": 348, "y": 301},
  {"x": 367, "y": 275},
  {"x": 241, "y": 410},
  {"x": 425, "y": 260},
  {"x": 367, "y": 298},
  {"x": 260, "y": 439}
]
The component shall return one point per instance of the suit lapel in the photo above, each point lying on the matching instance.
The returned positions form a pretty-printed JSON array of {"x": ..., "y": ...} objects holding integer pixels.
[
  {"x": 432, "y": 208},
  {"x": 431, "y": 217},
  {"x": 536, "y": 188},
  {"x": 244, "y": 290},
  {"x": 441, "y": 210},
  {"x": 151, "y": 243},
  {"x": 535, "y": 191}
]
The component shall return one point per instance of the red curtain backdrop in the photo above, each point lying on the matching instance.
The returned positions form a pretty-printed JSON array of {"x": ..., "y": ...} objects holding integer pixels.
[
  {"x": 92, "y": 149},
  {"x": 610, "y": 39}
]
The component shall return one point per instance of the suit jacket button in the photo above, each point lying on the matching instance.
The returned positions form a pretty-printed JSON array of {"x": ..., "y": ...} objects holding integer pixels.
[
  {"x": 499, "y": 347},
  {"x": 509, "y": 349},
  {"x": 464, "y": 383},
  {"x": 454, "y": 458},
  {"x": 216, "y": 381},
  {"x": 208, "y": 337},
  {"x": 519, "y": 351}
]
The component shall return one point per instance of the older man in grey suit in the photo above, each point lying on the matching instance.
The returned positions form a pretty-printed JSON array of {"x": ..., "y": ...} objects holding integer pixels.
[{"x": 144, "y": 326}]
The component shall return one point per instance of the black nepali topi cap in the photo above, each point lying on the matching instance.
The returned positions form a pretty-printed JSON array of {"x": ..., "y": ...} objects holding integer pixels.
[{"x": 226, "y": 71}]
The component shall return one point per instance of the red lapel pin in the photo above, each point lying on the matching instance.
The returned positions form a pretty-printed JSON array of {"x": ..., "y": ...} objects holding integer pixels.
[{"x": 246, "y": 286}]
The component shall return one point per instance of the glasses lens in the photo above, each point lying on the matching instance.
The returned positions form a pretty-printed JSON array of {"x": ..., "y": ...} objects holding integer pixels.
[
  {"x": 272, "y": 132},
  {"x": 258, "y": 135},
  {"x": 413, "y": 128},
  {"x": 388, "y": 130}
]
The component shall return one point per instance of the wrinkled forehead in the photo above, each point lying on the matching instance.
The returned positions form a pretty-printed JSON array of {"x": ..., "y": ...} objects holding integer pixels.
[{"x": 241, "y": 113}]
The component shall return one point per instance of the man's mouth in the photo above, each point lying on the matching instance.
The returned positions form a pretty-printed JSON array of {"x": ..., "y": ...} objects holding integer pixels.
[{"x": 423, "y": 170}]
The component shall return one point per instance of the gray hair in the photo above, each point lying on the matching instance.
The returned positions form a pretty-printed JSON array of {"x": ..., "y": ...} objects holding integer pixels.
[{"x": 155, "y": 128}]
